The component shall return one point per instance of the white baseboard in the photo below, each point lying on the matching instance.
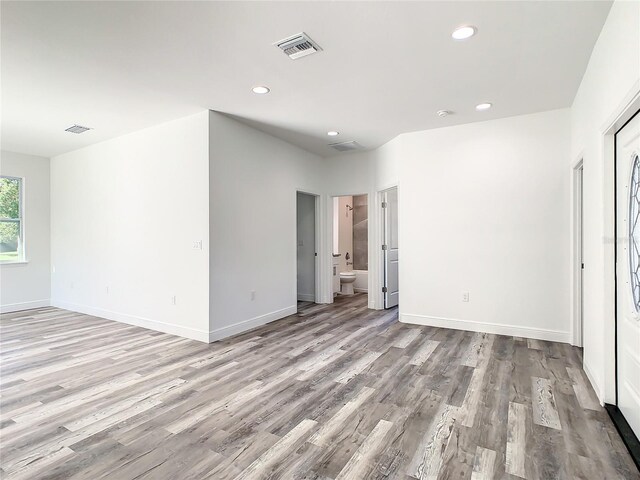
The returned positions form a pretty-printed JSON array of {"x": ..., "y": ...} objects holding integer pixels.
[
  {"x": 17, "y": 307},
  {"x": 596, "y": 388},
  {"x": 306, "y": 297},
  {"x": 495, "y": 328},
  {"x": 243, "y": 326},
  {"x": 171, "y": 328}
]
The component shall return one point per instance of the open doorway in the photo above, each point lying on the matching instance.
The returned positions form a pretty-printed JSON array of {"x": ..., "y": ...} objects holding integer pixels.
[
  {"x": 350, "y": 279},
  {"x": 306, "y": 249}
]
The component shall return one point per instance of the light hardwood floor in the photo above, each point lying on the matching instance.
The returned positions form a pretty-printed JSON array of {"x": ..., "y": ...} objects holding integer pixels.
[{"x": 335, "y": 392}]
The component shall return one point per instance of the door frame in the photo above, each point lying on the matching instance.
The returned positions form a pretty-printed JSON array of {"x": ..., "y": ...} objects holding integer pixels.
[
  {"x": 375, "y": 280},
  {"x": 578, "y": 253},
  {"x": 626, "y": 113},
  {"x": 318, "y": 244},
  {"x": 628, "y": 108},
  {"x": 629, "y": 438},
  {"x": 606, "y": 390},
  {"x": 372, "y": 294}
]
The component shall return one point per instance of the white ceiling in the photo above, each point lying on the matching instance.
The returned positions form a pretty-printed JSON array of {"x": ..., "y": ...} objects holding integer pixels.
[{"x": 386, "y": 68}]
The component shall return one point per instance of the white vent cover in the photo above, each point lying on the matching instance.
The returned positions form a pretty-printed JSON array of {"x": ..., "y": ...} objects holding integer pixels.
[
  {"x": 77, "y": 129},
  {"x": 346, "y": 146},
  {"x": 297, "y": 46}
]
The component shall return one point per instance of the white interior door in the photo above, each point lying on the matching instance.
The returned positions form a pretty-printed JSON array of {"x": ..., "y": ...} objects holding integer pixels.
[
  {"x": 628, "y": 271},
  {"x": 390, "y": 247}
]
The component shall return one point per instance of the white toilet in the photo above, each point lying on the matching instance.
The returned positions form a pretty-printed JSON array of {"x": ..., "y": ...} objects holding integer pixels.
[{"x": 346, "y": 282}]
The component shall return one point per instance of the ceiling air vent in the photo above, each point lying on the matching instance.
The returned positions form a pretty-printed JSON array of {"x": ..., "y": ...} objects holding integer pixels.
[
  {"x": 297, "y": 46},
  {"x": 346, "y": 146},
  {"x": 77, "y": 129}
]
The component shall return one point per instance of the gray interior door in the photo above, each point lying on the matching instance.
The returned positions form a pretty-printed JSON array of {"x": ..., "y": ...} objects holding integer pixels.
[{"x": 306, "y": 248}]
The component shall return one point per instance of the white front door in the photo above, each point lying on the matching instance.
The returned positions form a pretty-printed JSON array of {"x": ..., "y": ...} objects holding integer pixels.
[
  {"x": 390, "y": 247},
  {"x": 628, "y": 271}
]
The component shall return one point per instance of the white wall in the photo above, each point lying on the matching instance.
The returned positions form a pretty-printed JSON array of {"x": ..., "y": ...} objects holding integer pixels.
[
  {"x": 611, "y": 80},
  {"x": 484, "y": 208},
  {"x": 253, "y": 182},
  {"x": 125, "y": 215},
  {"x": 479, "y": 206},
  {"x": 306, "y": 250},
  {"x": 28, "y": 285}
]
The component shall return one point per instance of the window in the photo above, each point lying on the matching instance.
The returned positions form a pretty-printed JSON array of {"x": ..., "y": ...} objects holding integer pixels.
[
  {"x": 634, "y": 232},
  {"x": 11, "y": 227}
]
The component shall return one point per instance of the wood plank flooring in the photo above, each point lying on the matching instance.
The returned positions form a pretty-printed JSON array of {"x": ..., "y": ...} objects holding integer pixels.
[{"x": 334, "y": 392}]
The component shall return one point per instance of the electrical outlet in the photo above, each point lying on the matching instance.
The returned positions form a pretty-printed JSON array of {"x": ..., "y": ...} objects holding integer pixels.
[
  {"x": 173, "y": 299},
  {"x": 465, "y": 296},
  {"x": 253, "y": 295},
  {"x": 197, "y": 245}
]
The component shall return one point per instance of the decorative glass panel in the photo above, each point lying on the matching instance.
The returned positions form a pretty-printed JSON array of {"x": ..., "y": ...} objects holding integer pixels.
[{"x": 634, "y": 232}]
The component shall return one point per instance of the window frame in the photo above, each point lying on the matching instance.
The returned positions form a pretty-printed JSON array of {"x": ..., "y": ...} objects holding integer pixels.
[{"x": 22, "y": 257}]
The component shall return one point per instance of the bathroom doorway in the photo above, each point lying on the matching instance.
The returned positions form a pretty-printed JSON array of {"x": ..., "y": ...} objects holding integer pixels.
[
  {"x": 306, "y": 248},
  {"x": 350, "y": 247}
]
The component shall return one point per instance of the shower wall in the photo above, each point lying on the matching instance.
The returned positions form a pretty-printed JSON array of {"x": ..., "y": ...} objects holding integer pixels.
[
  {"x": 360, "y": 233},
  {"x": 344, "y": 214}
]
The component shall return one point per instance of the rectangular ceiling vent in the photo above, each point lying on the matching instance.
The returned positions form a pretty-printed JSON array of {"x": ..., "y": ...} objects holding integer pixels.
[
  {"x": 77, "y": 129},
  {"x": 297, "y": 46},
  {"x": 346, "y": 146}
]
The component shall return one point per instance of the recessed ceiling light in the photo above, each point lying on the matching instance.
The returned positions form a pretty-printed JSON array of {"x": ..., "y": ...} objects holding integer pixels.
[
  {"x": 464, "y": 32},
  {"x": 261, "y": 90},
  {"x": 483, "y": 106},
  {"x": 444, "y": 113},
  {"x": 333, "y": 133}
]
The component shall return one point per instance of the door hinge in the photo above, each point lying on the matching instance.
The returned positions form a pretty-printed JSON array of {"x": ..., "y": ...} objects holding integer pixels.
[
  {"x": 384, "y": 289},
  {"x": 384, "y": 247},
  {"x": 384, "y": 204}
]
